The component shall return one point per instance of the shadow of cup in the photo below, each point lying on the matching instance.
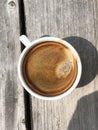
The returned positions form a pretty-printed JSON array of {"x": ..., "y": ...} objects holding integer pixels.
[
  {"x": 85, "y": 116},
  {"x": 89, "y": 58}
]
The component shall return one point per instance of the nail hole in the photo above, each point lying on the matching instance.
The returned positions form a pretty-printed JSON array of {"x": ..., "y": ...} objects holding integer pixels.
[{"x": 23, "y": 120}]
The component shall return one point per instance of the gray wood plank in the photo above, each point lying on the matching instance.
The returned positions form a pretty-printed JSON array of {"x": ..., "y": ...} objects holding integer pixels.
[
  {"x": 12, "y": 111},
  {"x": 77, "y": 22}
]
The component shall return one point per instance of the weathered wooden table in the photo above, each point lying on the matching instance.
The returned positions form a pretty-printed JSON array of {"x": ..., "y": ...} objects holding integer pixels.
[{"x": 77, "y": 22}]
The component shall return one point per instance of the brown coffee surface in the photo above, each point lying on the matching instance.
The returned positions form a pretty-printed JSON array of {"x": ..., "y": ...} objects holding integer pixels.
[{"x": 50, "y": 68}]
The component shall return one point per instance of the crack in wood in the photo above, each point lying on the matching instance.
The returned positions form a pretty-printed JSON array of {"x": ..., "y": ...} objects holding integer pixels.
[{"x": 26, "y": 94}]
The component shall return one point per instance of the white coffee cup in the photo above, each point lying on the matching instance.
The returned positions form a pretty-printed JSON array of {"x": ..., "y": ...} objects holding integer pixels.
[{"x": 29, "y": 45}]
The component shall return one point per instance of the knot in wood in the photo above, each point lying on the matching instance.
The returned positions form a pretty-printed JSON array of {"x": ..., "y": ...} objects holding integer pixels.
[{"x": 12, "y": 4}]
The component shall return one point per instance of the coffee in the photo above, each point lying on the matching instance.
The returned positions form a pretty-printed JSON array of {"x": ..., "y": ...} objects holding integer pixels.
[{"x": 49, "y": 68}]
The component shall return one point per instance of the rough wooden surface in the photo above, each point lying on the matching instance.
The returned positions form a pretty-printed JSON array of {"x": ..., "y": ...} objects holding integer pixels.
[
  {"x": 12, "y": 111},
  {"x": 77, "y": 22}
]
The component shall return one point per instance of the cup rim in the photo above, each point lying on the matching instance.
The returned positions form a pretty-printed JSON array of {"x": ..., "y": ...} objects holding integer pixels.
[{"x": 38, "y": 41}]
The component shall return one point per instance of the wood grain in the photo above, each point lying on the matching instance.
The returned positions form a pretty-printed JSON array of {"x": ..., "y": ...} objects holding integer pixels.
[
  {"x": 70, "y": 19},
  {"x": 12, "y": 111}
]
